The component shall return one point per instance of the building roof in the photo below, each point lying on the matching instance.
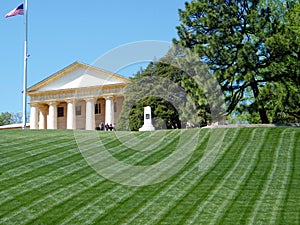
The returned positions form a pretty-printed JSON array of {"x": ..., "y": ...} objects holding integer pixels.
[{"x": 77, "y": 75}]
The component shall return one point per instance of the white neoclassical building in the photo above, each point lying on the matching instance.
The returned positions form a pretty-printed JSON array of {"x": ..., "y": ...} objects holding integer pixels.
[{"x": 79, "y": 96}]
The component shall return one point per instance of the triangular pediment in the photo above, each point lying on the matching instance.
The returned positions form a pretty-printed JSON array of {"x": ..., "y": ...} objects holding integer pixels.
[{"x": 78, "y": 75}]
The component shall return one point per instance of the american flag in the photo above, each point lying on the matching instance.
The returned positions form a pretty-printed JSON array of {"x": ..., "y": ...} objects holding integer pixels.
[{"x": 17, "y": 11}]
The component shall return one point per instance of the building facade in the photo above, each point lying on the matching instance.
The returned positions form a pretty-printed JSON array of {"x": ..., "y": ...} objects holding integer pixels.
[{"x": 79, "y": 96}]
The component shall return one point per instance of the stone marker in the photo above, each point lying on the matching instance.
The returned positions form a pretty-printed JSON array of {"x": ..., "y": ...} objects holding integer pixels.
[{"x": 147, "y": 120}]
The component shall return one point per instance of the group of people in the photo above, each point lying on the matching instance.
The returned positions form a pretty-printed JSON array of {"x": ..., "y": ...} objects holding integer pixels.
[{"x": 106, "y": 127}]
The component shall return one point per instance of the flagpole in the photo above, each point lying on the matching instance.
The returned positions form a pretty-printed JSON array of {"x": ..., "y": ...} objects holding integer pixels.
[{"x": 25, "y": 66}]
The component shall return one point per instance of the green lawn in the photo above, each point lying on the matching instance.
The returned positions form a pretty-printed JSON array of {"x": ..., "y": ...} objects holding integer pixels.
[{"x": 234, "y": 176}]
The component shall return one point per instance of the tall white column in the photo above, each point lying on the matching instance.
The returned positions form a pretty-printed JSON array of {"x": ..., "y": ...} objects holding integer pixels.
[
  {"x": 109, "y": 110},
  {"x": 52, "y": 117},
  {"x": 71, "y": 114},
  {"x": 43, "y": 120},
  {"x": 90, "y": 114},
  {"x": 34, "y": 116}
]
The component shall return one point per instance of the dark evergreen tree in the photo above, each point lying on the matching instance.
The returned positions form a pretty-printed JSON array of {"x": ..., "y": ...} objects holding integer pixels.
[
  {"x": 247, "y": 46},
  {"x": 148, "y": 88},
  {"x": 173, "y": 94}
]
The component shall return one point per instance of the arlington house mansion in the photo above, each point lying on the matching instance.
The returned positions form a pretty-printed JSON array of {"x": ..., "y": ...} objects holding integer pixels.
[{"x": 79, "y": 96}]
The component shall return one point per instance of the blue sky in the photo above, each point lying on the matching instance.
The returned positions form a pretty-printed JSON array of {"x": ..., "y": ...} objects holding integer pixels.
[{"x": 62, "y": 32}]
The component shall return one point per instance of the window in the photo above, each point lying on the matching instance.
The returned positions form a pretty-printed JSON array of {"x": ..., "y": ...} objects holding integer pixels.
[
  {"x": 97, "y": 108},
  {"x": 60, "y": 111},
  {"x": 78, "y": 110}
]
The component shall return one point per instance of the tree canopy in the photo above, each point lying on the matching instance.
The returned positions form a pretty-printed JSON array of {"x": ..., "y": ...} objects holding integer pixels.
[
  {"x": 175, "y": 91},
  {"x": 252, "y": 48},
  {"x": 6, "y": 118},
  {"x": 247, "y": 50},
  {"x": 148, "y": 89}
]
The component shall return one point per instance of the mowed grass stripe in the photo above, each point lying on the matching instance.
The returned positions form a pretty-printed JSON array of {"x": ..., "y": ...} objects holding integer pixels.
[
  {"x": 106, "y": 191},
  {"x": 214, "y": 150},
  {"x": 143, "y": 147},
  {"x": 19, "y": 142},
  {"x": 34, "y": 149},
  {"x": 108, "y": 141},
  {"x": 85, "y": 209},
  {"x": 107, "y": 208},
  {"x": 42, "y": 179},
  {"x": 267, "y": 198},
  {"x": 143, "y": 144},
  {"x": 25, "y": 156},
  {"x": 168, "y": 166},
  {"x": 244, "y": 196},
  {"x": 93, "y": 150},
  {"x": 190, "y": 178},
  {"x": 224, "y": 169},
  {"x": 16, "y": 138},
  {"x": 40, "y": 182},
  {"x": 240, "y": 177},
  {"x": 39, "y": 169},
  {"x": 284, "y": 170},
  {"x": 191, "y": 186},
  {"x": 290, "y": 210},
  {"x": 15, "y": 169},
  {"x": 19, "y": 148},
  {"x": 26, "y": 213},
  {"x": 243, "y": 204},
  {"x": 167, "y": 146},
  {"x": 42, "y": 144},
  {"x": 127, "y": 140},
  {"x": 40, "y": 185},
  {"x": 160, "y": 203},
  {"x": 112, "y": 140},
  {"x": 236, "y": 178},
  {"x": 86, "y": 213},
  {"x": 154, "y": 138},
  {"x": 59, "y": 196},
  {"x": 158, "y": 195},
  {"x": 31, "y": 194},
  {"x": 201, "y": 190}
]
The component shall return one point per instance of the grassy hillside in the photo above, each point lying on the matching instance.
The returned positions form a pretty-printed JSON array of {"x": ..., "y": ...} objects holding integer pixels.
[{"x": 252, "y": 176}]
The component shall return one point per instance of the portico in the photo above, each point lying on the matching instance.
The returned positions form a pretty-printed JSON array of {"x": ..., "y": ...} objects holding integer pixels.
[{"x": 77, "y": 97}]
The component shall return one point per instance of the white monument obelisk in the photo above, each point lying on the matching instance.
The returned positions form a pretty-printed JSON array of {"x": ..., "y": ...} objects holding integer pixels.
[{"x": 147, "y": 120}]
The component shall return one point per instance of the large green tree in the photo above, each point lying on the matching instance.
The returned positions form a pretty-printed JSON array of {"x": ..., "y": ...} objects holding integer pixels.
[
  {"x": 246, "y": 46},
  {"x": 171, "y": 91},
  {"x": 281, "y": 94},
  {"x": 151, "y": 87},
  {"x": 6, "y": 118}
]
